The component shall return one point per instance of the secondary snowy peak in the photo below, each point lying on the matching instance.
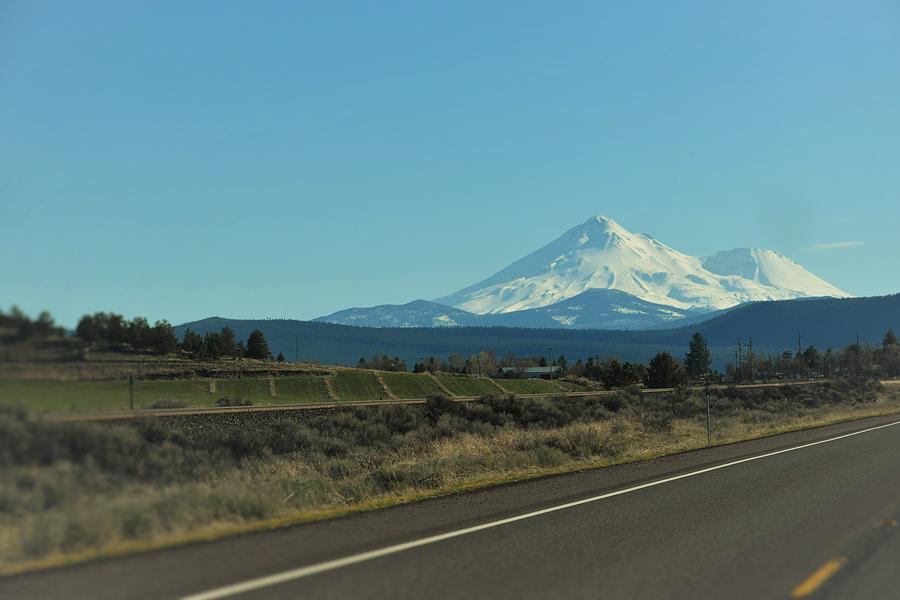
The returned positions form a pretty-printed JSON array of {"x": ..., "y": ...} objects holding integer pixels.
[
  {"x": 772, "y": 269},
  {"x": 418, "y": 313},
  {"x": 601, "y": 254}
]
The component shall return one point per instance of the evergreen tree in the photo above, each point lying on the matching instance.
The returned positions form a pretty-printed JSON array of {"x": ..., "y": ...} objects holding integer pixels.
[
  {"x": 161, "y": 338},
  {"x": 697, "y": 360},
  {"x": 664, "y": 371},
  {"x": 223, "y": 343},
  {"x": 192, "y": 343},
  {"x": 257, "y": 346},
  {"x": 45, "y": 326},
  {"x": 889, "y": 356},
  {"x": 280, "y": 357},
  {"x": 138, "y": 333},
  {"x": 811, "y": 358},
  {"x": 88, "y": 330},
  {"x": 229, "y": 343},
  {"x": 116, "y": 330}
]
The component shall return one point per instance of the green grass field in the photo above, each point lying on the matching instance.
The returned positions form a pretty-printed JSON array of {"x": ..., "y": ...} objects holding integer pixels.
[
  {"x": 113, "y": 395},
  {"x": 468, "y": 386},
  {"x": 571, "y": 387},
  {"x": 102, "y": 395},
  {"x": 410, "y": 385},
  {"x": 351, "y": 384},
  {"x": 529, "y": 386},
  {"x": 301, "y": 389},
  {"x": 255, "y": 389}
]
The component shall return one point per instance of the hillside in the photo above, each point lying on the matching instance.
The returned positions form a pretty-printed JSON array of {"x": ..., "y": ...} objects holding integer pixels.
[
  {"x": 774, "y": 327},
  {"x": 591, "y": 309}
]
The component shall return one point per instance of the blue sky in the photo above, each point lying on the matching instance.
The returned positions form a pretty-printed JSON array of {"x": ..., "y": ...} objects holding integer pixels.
[{"x": 288, "y": 159}]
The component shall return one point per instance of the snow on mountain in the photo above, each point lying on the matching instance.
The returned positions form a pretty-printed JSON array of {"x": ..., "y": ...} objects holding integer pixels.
[
  {"x": 418, "y": 313},
  {"x": 771, "y": 269},
  {"x": 599, "y": 309},
  {"x": 601, "y": 254},
  {"x": 593, "y": 309}
]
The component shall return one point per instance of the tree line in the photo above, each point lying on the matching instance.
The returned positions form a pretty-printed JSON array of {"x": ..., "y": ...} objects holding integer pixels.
[
  {"x": 854, "y": 360},
  {"x": 21, "y": 327},
  {"x": 223, "y": 343},
  {"x": 664, "y": 370},
  {"x": 116, "y": 332},
  {"x": 113, "y": 331}
]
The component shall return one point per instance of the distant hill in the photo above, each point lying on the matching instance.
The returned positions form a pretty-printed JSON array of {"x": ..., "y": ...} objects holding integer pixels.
[
  {"x": 774, "y": 326},
  {"x": 591, "y": 309},
  {"x": 418, "y": 313}
]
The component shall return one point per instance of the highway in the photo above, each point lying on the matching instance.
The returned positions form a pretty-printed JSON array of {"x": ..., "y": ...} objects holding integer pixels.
[{"x": 806, "y": 514}]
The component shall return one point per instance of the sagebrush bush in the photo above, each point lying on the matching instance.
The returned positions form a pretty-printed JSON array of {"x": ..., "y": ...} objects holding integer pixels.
[
  {"x": 71, "y": 486},
  {"x": 234, "y": 402}
]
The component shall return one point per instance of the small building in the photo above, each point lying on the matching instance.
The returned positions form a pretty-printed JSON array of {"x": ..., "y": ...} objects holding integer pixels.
[{"x": 529, "y": 372}]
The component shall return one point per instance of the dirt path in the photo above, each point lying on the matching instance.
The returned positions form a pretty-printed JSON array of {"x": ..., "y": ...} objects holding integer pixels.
[
  {"x": 331, "y": 393},
  {"x": 387, "y": 391},
  {"x": 441, "y": 385}
]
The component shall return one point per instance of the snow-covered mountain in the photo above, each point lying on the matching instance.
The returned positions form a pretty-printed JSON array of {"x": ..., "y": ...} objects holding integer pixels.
[
  {"x": 770, "y": 269},
  {"x": 418, "y": 313},
  {"x": 592, "y": 309},
  {"x": 599, "y": 309},
  {"x": 601, "y": 254},
  {"x": 599, "y": 275}
]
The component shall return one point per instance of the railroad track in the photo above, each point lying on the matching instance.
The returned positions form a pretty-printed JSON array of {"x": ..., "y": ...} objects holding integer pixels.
[{"x": 118, "y": 415}]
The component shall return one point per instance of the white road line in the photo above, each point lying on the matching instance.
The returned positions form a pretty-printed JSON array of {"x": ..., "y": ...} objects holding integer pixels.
[{"x": 269, "y": 580}]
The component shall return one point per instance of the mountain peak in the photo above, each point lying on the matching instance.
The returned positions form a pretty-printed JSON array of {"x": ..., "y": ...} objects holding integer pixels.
[
  {"x": 771, "y": 269},
  {"x": 597, "y": 232},
  {"x": 601, "y": 254},
  {"x": 604, "y": 223}
]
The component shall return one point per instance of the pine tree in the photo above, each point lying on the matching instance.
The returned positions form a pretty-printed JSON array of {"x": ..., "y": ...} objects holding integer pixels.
[
  {"x": 228, "y": 343},
  {"x": 257, "y": 346},
  {"x": 697, "y": 360},
  {"x": 88, "y": 330},
  {"x": 162, "y": 337},
  {"x": 280, "y": 357},
  {"x": 192, "y": 343},
  {"x": 664, "y": 371}
]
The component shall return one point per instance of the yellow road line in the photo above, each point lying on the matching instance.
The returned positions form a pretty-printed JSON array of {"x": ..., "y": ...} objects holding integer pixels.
[{"x": 815, "y": 581}]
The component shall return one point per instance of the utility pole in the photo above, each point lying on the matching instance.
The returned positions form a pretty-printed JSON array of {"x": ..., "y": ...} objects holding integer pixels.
[
  {"x": 800, "y": 355},
  {"x": 708, "y": 421},
  {"x": 740, "y": 360},
  {"x": 858, "y": 349},
  {"x": 750, "y": 360},
  {"x": 131, "y": 392},
  {"x": 550, "y": 352},
  {"x": 297, "y": 347},
  {"x": 735, "y": 366}
]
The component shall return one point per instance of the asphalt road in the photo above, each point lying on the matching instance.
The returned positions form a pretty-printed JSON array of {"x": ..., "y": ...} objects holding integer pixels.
[{"x": 762, "y": 519}]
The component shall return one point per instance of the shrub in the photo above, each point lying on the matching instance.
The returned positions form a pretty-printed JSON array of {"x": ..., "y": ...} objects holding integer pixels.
[
  {"x": 167, "y": 403},
  {"x": 233, "y": 402},
  {"x": 437, "y": 405}
]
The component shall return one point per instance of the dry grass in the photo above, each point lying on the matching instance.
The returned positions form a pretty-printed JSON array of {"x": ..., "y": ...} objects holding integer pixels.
[{"x": 203, "y": 478}]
